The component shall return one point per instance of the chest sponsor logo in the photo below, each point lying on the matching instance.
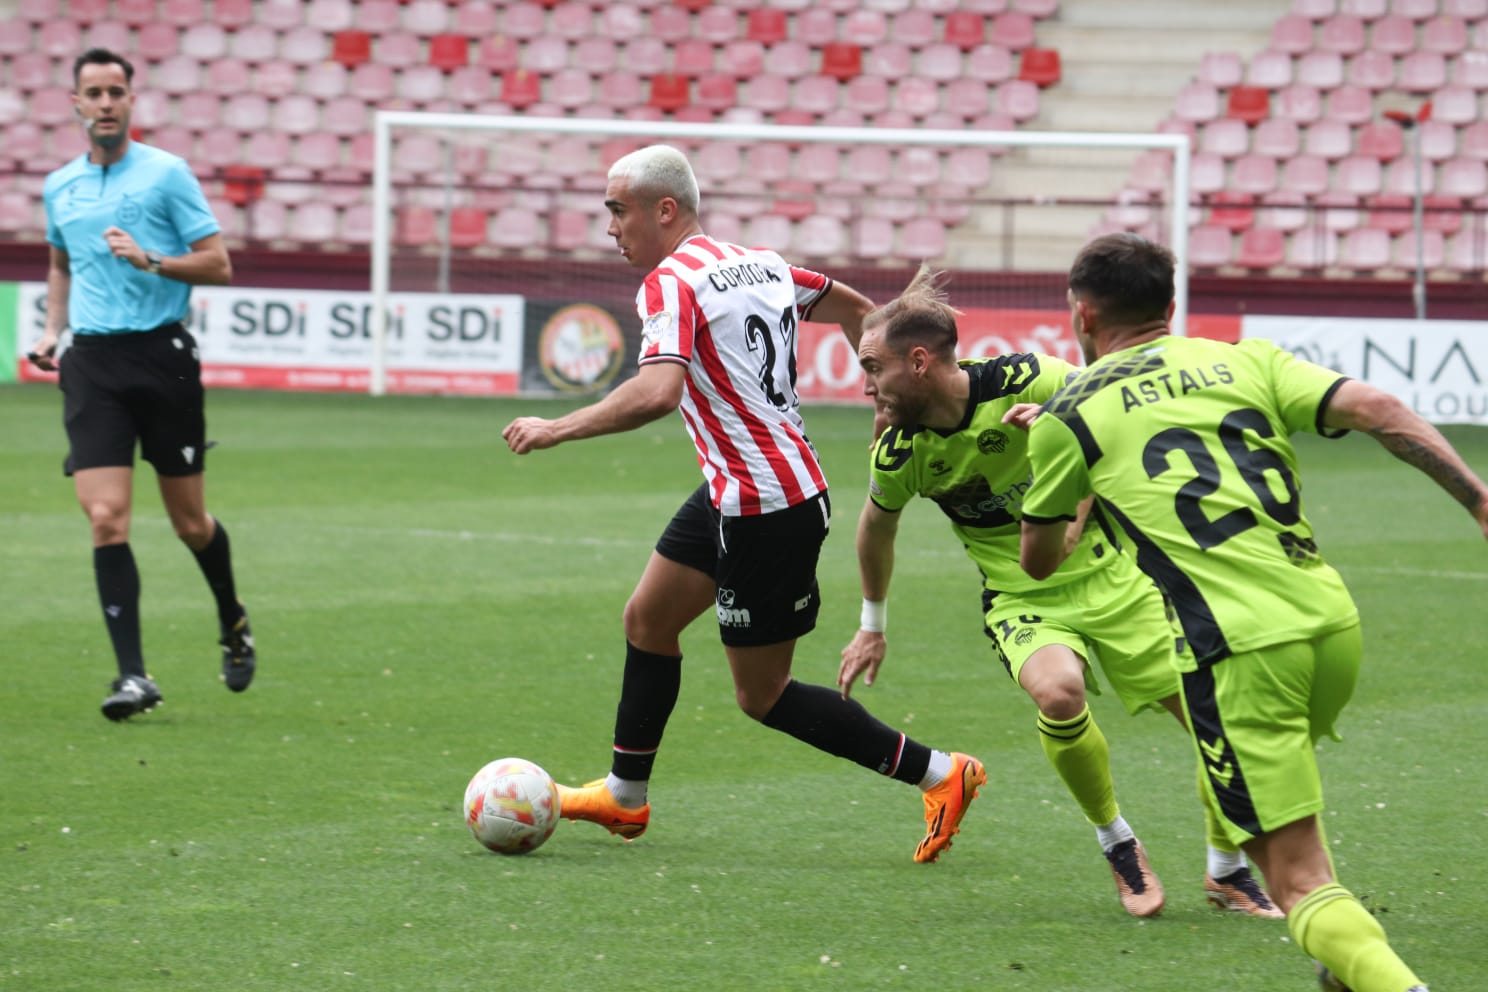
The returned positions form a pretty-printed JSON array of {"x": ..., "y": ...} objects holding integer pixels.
[{"x": 992, "y": 442}]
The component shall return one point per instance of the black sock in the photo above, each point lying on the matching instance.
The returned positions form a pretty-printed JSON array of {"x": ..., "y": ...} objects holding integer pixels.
[
  {"x": 216, "y": 564},
  {"x": 118, "y": 593},
  {"x": 647, "y": 695},
  {"x": 822, "y": 718}
]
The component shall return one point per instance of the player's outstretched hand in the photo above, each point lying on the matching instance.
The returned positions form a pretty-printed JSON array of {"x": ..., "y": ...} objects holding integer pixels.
[
  {"x": 861, "y": 657},
  {"x": 1021, "y": 414},
  {"x": 529, "y": 434}
]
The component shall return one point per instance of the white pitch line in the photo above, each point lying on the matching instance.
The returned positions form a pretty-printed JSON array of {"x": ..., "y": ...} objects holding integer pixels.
[{"x": 1416, "y": 573}]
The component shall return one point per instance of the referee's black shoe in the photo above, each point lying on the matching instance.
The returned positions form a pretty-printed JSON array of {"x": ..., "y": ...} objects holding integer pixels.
[
  {"x": 131, "y": 694},
  {"x": 238, "y": 657}
]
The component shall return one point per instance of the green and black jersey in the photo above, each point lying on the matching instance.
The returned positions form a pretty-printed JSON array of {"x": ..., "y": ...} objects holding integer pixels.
[
  {"x": 1186, "y": 442},
  {"x": 978, "y": 472}
]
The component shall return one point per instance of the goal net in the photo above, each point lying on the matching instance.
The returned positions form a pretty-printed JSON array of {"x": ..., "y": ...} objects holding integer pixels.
[{"x": 492, "y": 271}]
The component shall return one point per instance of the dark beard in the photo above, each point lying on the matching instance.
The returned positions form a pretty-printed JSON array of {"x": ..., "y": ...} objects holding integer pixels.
[{"x": 108, "y": 142}]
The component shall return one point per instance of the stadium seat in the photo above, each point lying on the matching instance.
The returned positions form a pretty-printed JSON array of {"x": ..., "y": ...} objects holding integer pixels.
[
  {"x": 766, "y": 25},
  {"x": 268, "y": 149},
  {"x": 1393, "y": 35},
  {"x": 60, "y": 39},
  {"x": 1351, "y": 104},
  {"x": 1206, "y": 174},
  {"x": 717, "y": 25},
  {"x": 1423, "y": 72},
  {"x": 1463, "y": 177},
  {"x": 965, "y": 29},
  {"x": 1320, "y": 70},
  {"x": 275, "y": 79},
  {"x": 1364, "y": 249},
  {"x": 1231, "y": 210},
  {"x": 372, "y": 82},
  {"x": 1438, "y": 140},
  {"x": 524, "y": 21},
  {"x": 1040, "y": 66},
  {"x": 1039, "y": 9},
  {"x": 415, "y": 226},
  {"x": 1221, "y": 69},
  {"x": 448, "y": 52},
  {"x": 419, "y": 84},
  {"x": 1444, "y": 36},
  {"x": 1371, "y": 70},
  {"x": 324, "y": 81},
  {"x": 1466, "y": 252},
  {"x": 1277, "y": 137},
  {"x": 922, "y": 238},
  {"x": 1225, "y": 137},
  {"x": 1337, "y": 211},
  {"x": 1261, "y": 248},
  {"x": 1301, "y": 104},
  {"x": 1292, "y": 35},
  {"x": 317, "y": 151},
  {"x": 1012, "y": 30},
  {"x": 34, "y": 71},
  {"x": 520, "y": 89},
  {"x": 820, "y": 236},
  {"x": 916, "y": 96},
  {"x": 692, "y": 57},
  {"x": 113, "y": 35},
  {"x": 176, "y": 75},
  {"x": 157, "y": 41},
  {"x": 1416, "y": 10},
  {"x": 474, "y": 19},
  {"x": 1312, "y": 248},
  {"x": 913, "y": 27},
  {"x": 1250, "y": 104},
  {"x": 1197, "y": 102},
  {"x": 991, "y": 64},
  {"x": 242, "y": 184},
  {"x": 351, "y": 48},
  {"x": 297, "y": 114},
  {"x": 278, "y": 15},
  {"x": 1468, "y": 10},
  {"x": 1283, "y": 210},
  {"x": 791, "y": 60},
  {"x": 872, "y": 237},
  {"x": 174, "y": 139},
  {"x": 1390, "y": 212},
  {"x": 1475, "y": 141},
  {"x": 323, "y": 15},
  {"x": 865, "y": 27},
  {"x": 841, "y": 61},
  {"x": 816, "y": 26},
  {"x": 939, "y": 61},
  {"x": 1269, "y": 70},
  {"x": 1432, "y": 252},
  {"x": 1359, "y": 175},
  {"x": 1253, "y": 174},
  {"x": 1442, "y": 213},
  {"x": 254, "y": 43},
  {"x": 313, "y": 223},
  {"x": 1379, "y": 139},
  {"x": 1304, "y": 174},
  {"x": 199, "y": 111},
  {"x": 769, "y": 231},
  {"x": 356, "y": 224},
  {"x": 669, "y": 93},
  {"x": 498, "y": 54},
  {"x": 467, "y": 228},
  {"x": 891, "y": 60},
  {"x": 1341, "y": 33},
  {"x": 137, "y": 12},
  {"x": 1455, "y": 105}
]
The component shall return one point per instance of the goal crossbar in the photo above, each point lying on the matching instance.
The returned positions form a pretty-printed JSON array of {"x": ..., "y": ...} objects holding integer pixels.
[{"x": 384, "y": 121}]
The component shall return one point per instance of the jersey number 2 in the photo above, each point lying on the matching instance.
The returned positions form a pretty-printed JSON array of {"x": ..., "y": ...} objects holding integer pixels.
[
  {"x": 757, "y": 333},
  {"x": 1252, "y": 463}
]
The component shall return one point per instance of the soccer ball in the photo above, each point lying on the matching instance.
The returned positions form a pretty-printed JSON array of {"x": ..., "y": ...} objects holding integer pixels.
[{"x": 511, "y": 806}]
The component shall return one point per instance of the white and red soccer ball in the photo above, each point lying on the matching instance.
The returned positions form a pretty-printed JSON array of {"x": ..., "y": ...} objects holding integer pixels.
[{"x": 511, "y": 806}]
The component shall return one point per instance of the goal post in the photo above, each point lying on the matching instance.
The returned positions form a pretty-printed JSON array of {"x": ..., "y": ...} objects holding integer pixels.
[{"x": 559, "y": 162}]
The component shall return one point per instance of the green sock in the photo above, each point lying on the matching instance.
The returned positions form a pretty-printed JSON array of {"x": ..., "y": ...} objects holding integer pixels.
[
  {"x": 1078, "y": 751},
  {"x": 1334, "y": 927}
]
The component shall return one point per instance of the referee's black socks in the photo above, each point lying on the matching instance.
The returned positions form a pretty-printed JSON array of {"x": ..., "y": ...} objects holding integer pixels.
[
  {"x": 216, "y": 564},
  {"x": 118, "y": 593}
]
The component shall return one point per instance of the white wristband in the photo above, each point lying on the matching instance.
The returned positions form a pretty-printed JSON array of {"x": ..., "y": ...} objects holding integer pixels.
[{"x": 875, "y": 616}]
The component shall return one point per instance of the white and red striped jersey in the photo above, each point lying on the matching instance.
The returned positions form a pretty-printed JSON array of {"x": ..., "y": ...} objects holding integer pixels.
[{"x": 730, "y": 315}]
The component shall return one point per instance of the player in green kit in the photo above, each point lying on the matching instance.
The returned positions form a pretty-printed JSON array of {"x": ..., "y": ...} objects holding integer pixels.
[
  {"x": 1186, "y": 445},
  {"x": 947, "y": 442}
]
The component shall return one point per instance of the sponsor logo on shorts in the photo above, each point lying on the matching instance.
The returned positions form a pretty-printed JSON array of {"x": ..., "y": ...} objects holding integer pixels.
[
  {"x": 1023, "y": 637},
  {"x": 188, "y": 453},
  {"x": 939, "y": 467},
  {"x": 728, "y": 614},
  {"x": 802, "y": 603}
]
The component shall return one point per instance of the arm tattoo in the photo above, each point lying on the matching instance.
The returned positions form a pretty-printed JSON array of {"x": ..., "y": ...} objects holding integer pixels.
[{"x": 1448, "y": 475}]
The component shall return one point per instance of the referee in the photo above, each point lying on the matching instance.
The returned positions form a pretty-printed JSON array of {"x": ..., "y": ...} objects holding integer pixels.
[{"x": 130, "y": 234}]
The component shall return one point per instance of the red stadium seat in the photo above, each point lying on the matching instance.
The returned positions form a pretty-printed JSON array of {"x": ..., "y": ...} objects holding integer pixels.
[
  {"x": 766, "y": 25},
  {"x": 242, "y": 184},
  {"x": 448, "y": 52},
  {"x": 842, "y": 61},
  {"x": 1231, "y": 210},
  {"x": 669, "y": 93},
  {"x": 351, "y": 48},
  {"x": 467, "y": 227},
  {"x": 1040, "y": 66},
  {"x": 520, "y": 89},
  {"x": 1250, "y": 104}
]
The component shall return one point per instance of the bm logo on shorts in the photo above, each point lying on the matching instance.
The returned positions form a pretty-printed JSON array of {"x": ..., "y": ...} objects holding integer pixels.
[{"x": 728, "y": 614}]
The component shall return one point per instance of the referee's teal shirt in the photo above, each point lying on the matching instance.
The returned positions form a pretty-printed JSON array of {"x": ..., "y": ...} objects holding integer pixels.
[{"x": 152, "y": 196}]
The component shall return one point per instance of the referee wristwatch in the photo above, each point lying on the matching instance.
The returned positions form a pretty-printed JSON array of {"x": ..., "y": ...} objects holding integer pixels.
[{"x": 152, "y": 262}]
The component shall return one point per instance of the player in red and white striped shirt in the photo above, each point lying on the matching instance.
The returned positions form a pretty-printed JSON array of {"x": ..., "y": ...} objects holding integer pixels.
[{"x": 719, "y": 343}]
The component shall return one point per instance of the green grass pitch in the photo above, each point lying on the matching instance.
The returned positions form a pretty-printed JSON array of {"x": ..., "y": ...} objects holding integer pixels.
[{"x": 424, "y": 602}]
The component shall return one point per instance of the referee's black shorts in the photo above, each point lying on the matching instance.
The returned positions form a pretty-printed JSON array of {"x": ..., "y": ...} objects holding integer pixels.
[
  {"x": 764, "y": 566},
  {"x": 143, "y": 387}
]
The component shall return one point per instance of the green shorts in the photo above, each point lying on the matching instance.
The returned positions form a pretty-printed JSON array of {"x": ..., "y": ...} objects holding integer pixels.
[
  {"x": 1256, "y": 717},
  {"x": 1114, "y": 617}
]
